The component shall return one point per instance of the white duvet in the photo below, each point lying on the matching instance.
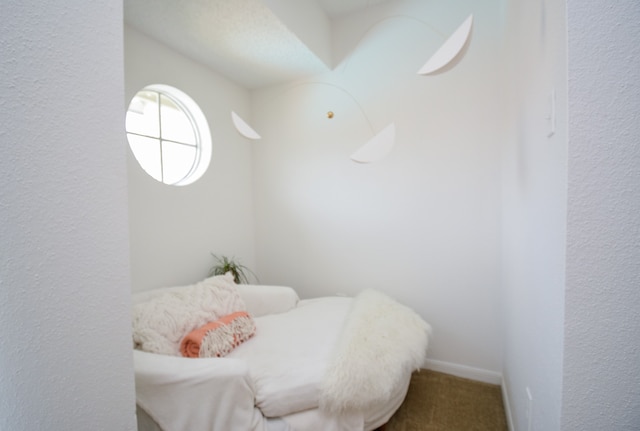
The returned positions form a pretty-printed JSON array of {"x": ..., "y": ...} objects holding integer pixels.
[
  {"x": 342, "y": 354},
  {"x": 288, "y": 356}
]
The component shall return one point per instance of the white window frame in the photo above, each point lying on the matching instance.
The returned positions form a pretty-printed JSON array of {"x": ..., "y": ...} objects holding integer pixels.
[{"x": 201, "y": 130}]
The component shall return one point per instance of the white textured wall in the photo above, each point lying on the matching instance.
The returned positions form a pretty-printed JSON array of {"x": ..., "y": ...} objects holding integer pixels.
[
  {"x": 534, "y": 212},
  {"x": 174, "y": 229},
  {"x": 602, "y": 328},
  {"x": 421, "y": 225},
  {"x": 65, "y": 344}
]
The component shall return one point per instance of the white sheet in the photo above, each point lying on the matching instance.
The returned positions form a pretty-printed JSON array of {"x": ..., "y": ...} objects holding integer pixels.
[
  {"x": 196, "y": 394},
  {"x": 290, "y": 383}
]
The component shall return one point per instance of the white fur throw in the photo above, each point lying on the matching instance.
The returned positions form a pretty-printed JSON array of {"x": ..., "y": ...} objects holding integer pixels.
[
  {"x": 160, "y": 323},
  {"x": 381, "y": 342}
]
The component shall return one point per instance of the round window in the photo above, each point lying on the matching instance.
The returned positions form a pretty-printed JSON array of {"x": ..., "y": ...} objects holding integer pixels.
[{"x": 168, "y": 135}]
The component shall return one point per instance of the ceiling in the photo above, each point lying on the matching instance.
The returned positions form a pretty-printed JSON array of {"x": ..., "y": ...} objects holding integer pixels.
[{"x": 255, "y": 43}]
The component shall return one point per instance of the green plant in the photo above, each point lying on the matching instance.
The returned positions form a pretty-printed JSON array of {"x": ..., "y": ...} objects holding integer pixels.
[{"x": 224, "y": 264}]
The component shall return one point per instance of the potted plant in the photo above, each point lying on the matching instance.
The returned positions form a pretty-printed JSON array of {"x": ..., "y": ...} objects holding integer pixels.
[{"x": 224, "y": 264}]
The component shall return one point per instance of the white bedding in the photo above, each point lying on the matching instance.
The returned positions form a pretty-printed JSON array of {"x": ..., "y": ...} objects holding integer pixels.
[
  {"x": 256, "y": 387},
  {"x": 290, "y": 383},
  {"x": 180, "y": 393},
  {"x": 381, "y": 342}
]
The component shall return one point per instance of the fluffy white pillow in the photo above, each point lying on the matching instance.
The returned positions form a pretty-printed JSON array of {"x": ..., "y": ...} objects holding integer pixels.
[{"x": 160, "y": 323}]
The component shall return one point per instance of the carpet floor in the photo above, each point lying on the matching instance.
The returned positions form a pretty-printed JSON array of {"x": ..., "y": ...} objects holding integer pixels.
[{"x": 441, "y": 402}]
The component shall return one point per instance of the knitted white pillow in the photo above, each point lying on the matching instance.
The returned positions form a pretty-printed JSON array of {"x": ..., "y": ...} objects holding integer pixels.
[{"x": 160, "y": 323}]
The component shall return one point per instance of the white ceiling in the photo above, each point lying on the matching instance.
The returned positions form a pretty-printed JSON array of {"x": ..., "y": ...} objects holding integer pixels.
[
  {"x": 335, "y": 8},
  {"x": 255, "y": 43}
]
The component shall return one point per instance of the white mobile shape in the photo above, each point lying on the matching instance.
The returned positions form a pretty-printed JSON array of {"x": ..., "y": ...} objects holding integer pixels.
[
  {"x": 377, "y": 147},
  {"x": 243, "y": 128},
  {"x": 449, "y": 49}
]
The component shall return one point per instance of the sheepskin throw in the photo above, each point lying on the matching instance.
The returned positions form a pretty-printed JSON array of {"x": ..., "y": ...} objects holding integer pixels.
[
  {"x": 160, "y": 324},
  {"x": 382, "y": 341},
  {"x": 219, "y": 338}
]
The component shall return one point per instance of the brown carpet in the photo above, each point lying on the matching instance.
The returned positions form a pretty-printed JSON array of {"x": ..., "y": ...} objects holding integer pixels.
[{"x": 441, "y": 402}]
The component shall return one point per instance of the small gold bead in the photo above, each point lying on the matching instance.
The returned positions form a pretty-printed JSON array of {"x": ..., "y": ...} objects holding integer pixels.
[{"x": 330, "y": 114}]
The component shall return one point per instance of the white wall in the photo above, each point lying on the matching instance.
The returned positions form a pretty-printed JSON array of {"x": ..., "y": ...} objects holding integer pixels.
[
  {"x": 65, "y": 349},
  {"x": 421, "y": 225},
  {"x": 534, "y": 212},
  {"x": 571, "y": 225},
  {"x": 602, "y": 328},
  {"x": 174, "y": 229},
  {"x": 64, "y": 283}
]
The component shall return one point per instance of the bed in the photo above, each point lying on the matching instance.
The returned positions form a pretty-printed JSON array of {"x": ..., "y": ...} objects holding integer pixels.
[{"x": 330, "y": 363}]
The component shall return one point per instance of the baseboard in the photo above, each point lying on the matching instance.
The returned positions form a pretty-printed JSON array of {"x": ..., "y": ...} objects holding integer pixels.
[
  {"x": 464, "y": 371},
  {"x": 507, "y": 405}
]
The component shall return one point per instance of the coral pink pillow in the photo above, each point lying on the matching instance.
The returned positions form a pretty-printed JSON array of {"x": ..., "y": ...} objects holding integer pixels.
[{"x": 218, "y": 338}]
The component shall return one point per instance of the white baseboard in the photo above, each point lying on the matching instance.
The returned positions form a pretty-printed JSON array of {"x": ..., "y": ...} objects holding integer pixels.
[
  {"x": 472, "y": 373},
  {"x": 507, "y": 405}
]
